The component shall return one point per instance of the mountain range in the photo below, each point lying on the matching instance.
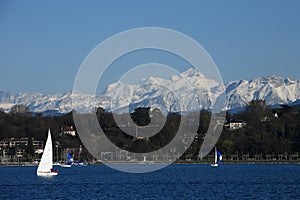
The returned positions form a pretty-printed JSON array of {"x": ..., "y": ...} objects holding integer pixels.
[{"x": 171, "y": 94}]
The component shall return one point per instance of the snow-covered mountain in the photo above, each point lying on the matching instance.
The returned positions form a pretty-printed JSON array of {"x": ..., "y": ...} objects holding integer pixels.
[
  {"x": 273, "y": 89},
  {"x": 172, "y": 94}
]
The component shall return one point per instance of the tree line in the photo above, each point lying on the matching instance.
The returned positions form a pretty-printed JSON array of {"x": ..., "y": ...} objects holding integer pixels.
[{"x": 268, "y": 130}]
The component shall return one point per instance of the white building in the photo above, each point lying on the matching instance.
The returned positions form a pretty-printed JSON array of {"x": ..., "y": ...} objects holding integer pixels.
[
  {"x": 69, "y": 130},
  {"x": 235, "y": 124}
]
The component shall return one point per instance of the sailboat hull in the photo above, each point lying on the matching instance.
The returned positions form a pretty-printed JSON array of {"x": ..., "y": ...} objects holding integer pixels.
[
  {"x": 214, "y": 165},
  {"x": 62, "y": 165},
  {"x": 47, "y": 174}
]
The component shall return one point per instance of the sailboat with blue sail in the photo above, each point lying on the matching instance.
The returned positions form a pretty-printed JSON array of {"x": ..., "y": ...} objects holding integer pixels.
[
  {"x": 69, "y": 161},
  {"x": 218, "y": 158}
]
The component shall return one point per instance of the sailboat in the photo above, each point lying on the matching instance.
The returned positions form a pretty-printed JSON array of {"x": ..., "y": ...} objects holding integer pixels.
[
  {"x": 46, "y": 163},
  {"x": 218, "y": 158},
  {"x": 69, "y": 162}
]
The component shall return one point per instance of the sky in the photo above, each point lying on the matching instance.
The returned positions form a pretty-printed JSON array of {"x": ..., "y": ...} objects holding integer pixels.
[{"x": 43, "y": 43}]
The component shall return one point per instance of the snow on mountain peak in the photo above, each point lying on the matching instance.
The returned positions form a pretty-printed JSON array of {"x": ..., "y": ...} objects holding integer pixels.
[
  {"x": 192, "y": 72},
  {"x": 158, "y": 91},
  {"x": 290, "y": 80},
  {"x": 273, "y": 89}
]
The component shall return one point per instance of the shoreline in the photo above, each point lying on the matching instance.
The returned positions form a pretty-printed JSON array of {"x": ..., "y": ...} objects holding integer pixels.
[{"x": 235, "y": 162}]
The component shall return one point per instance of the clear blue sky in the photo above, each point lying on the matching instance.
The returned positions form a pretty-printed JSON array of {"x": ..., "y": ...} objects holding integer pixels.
[{"x": 43, "y": 43}]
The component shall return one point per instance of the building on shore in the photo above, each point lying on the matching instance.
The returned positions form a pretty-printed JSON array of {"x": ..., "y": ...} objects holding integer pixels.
[
  {"x": 15, "y": 148},
  {"x": 68, "y": 130},
  {"x": 235, "y": 124}
]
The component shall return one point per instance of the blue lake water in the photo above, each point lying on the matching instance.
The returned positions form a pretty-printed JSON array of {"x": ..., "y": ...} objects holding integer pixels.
[{"x": 178, "y": 181}]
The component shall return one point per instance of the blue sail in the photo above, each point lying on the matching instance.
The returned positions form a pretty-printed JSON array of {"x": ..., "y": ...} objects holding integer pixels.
[{"x": 70, "y": 159}]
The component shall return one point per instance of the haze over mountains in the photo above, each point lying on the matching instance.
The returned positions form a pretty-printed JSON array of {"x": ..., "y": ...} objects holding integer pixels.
[{"x": 167, "y": 94}]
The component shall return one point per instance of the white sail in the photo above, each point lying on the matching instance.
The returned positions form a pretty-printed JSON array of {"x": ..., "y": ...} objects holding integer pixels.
[
  {"x": 46, "y": 163},
  {"x": 215, "y": 164},
  {"x": 216, "y": 156}
]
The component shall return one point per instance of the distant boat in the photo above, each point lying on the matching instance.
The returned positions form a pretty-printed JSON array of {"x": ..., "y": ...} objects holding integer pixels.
[
  {"x": 218, "y": 158},
  {"x": 45, "y": 167},
  {"x": 56, "y": 164},
  {"x": 69, "y": 162},
  {"x": 65, "y": 165},
  {"x": 80, "y": 163}
]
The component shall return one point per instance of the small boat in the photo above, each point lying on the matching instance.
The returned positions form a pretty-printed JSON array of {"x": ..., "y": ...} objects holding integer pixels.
[
  {"x": 80, "y": 163},
  {"x": 65, "y": 165},
  {"x": 45, "y": 167},
  {"x": 218, "y": 158},
  {"x": 56, "y": 164},
  {"x": 69, "y": 162}
]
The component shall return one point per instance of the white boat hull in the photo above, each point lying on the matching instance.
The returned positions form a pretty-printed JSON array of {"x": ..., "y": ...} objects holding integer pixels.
[
  {"x": 65, "y": 165},
  {"x": 82, "y": 164},
  {"x": 214, "y": 165},
  {"x": 56, "y": 164},
  {"x": 47, "y": 174}
]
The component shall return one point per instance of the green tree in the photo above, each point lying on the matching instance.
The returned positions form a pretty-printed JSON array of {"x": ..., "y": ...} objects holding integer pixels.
[
  {"x": 256, "y": 112},
  {"x": 296, "y": 140},
  {"x": 29, "y": 148},
  {"x": 204, "y": 121},
  {"x": 141, "y": 116}
]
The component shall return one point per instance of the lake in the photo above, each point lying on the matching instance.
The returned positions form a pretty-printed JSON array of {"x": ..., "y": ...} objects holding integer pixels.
[{"x": 177, "y": 181}]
